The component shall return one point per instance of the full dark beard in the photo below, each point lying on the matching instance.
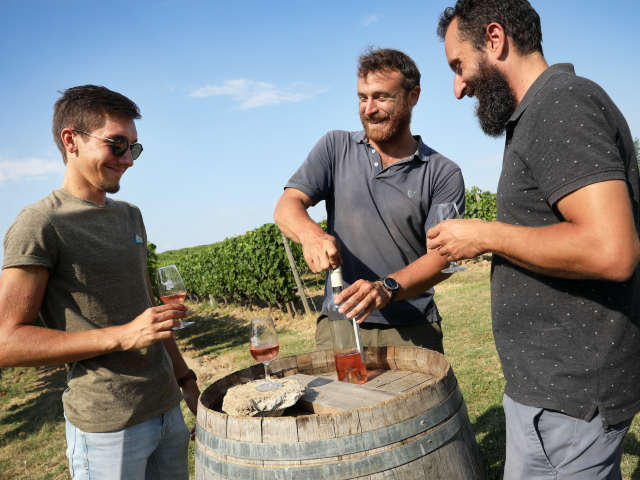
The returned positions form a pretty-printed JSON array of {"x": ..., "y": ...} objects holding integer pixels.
[
  {"x": 108, "y": 187},
  {"x": 399, "y": 120},
  {"x": 496, "y": 101}
]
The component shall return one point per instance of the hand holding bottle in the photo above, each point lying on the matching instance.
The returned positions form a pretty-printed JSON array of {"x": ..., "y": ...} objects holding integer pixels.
[{"x": 362, "y": 299}]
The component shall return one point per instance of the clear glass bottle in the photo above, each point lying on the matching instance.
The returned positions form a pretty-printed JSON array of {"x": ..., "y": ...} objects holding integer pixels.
[{"x": 345, "y": 335}]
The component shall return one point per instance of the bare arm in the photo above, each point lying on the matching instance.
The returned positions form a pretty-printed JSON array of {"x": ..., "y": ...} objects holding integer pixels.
[
  {"x": 23, "y": 344},
  {"x": 321, "y": 251},
  {"x": 597, "y": 240}
]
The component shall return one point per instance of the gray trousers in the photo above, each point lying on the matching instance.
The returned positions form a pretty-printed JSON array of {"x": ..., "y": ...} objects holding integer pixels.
[{"x": 546, "y": 444}]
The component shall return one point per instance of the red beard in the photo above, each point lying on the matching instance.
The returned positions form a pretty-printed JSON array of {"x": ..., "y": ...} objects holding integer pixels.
[{"x": 395, "y": 122}]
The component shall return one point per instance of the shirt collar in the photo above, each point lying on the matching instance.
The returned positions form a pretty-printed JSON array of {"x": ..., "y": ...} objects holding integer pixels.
[
  {"x": 538, "y": 84},
  {"x": 421, "y": 153}
]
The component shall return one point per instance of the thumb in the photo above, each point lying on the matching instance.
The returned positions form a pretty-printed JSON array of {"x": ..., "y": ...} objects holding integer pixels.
[{"x": 433, "y": 233}]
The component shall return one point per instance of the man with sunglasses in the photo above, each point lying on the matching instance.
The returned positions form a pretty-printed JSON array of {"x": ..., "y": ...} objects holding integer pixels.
[{"x": 78, "y": 259}]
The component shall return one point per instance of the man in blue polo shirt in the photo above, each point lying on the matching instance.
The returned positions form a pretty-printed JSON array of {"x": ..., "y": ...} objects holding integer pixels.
[{"x": 380, "y": 186}]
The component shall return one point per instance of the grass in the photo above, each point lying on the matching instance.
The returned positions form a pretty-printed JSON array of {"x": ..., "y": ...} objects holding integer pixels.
[{"x": 32, "y": 444}]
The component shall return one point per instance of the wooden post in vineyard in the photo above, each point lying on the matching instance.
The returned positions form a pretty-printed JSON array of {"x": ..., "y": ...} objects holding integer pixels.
[{"x": 294, "y": 270}]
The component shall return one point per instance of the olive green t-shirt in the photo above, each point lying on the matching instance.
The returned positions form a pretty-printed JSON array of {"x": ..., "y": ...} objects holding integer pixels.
[{"x": 97, "y": 261}]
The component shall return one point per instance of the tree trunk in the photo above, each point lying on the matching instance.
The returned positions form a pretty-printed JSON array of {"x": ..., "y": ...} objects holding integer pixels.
[
  {"x": 289, "y": 309},
  {"x": 250, "y": 302}
]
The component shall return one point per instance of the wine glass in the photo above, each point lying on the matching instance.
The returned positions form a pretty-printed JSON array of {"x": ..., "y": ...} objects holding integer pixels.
[
  {"x": 264, "y": 347},
  {"x": 447, "y": 211},
  {"x": 171, "y": 289}
]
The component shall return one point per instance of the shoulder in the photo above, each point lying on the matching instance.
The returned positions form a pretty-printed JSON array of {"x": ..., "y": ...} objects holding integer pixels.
[
  {"x": 124, "y": 205},
  {"x": 340, "y": 137},
  {"x": 439, "y": 163},
  {"x": 566, "y": 94},
  {"x": 40, "y": 212}
]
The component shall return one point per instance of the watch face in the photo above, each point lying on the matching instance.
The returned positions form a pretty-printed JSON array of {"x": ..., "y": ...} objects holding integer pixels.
[{"x": 390, "y": 283}]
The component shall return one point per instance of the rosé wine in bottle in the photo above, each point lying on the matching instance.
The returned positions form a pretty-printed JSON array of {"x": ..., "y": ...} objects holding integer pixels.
[
  {"x": 264, "y": 354},
  {"x": 351, "y": 368},
  {"x": 345, "y": 336},
  {"x": 174, "y": 299}
]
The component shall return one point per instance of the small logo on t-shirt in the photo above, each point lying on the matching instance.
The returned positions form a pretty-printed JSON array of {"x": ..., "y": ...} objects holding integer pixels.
[
  {"x": 137, "y": 238},
  {"x": 411, "y": 193}
]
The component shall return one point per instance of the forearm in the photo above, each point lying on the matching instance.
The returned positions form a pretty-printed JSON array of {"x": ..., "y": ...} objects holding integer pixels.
[
  {"x": 180, "y": 368},
  {"x": 564, "y": 250},
  {"x": 294, "y": 221},
  {"x": 421, "y": 275},
  {"x": 30, "y": 346}
]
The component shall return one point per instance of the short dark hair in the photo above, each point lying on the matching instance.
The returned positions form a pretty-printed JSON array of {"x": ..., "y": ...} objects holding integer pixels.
[
  {"x": 85, "y": 108},
  {"x": 375, "y": 60},
  {"x": 517, "y": 17}
]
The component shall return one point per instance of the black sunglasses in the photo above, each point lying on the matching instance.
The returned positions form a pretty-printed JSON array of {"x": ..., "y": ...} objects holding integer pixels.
[{"x": 118, "y": 147}]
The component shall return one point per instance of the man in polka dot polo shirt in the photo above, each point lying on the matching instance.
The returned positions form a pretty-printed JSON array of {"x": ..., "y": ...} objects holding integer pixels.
[{"x": 564, "y": 283}]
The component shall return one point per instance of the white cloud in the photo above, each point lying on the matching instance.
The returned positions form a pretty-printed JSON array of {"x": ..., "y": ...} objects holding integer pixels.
[
  {"x": 29, "y": 167},
  {"x": 371, "y": 19},
  {"x": 494, "y": 161},
  {"x": 252, "y": 94}
]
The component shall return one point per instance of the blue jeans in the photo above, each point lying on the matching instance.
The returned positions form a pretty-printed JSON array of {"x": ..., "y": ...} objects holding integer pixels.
[
  {"x": 153, "y": 450},
  {"x": 546, "y": 444}
]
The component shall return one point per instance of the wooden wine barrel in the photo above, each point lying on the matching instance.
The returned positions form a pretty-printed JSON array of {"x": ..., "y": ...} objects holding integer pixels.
[{"x": 423, "y": 431}]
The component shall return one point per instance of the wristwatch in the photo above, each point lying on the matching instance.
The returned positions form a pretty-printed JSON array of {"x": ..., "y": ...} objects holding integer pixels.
[
  {"x": 182, "y": 381},
  {"x": 391, "y": 285}
]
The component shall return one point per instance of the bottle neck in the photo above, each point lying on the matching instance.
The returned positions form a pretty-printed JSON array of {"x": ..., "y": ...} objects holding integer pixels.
[{"x": 337, "y": 290}]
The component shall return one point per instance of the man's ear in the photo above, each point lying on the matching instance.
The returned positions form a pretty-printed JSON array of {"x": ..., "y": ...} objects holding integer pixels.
[
  {"x": 69, "y": 140},
  {"x": 496, "y": 43},
  {"x": 414, "y": 95}
]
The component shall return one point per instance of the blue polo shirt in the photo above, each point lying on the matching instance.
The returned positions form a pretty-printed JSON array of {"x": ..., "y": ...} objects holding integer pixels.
[{"x": 379, "y": 216}]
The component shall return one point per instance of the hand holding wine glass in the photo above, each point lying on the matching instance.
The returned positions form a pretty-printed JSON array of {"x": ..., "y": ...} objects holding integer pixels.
[
  {"x": 171, "y": 289},
  {"x": 447, "y": 211},
  {"x": 264, "y": 348}
]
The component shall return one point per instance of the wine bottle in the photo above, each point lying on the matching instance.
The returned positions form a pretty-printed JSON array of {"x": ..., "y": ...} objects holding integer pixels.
[{"x": 345, "y": 335}]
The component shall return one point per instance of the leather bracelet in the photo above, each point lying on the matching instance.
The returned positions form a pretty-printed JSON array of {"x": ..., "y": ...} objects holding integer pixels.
[{"x": 191, "y": 375}]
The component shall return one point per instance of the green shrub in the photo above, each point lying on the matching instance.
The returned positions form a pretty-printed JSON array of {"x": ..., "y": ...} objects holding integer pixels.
[
  {"x": 479, "y": 204},
  {"x": 255, "y": 263}
]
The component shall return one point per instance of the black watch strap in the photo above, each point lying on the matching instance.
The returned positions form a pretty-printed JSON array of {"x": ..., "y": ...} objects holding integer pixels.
[
  {"x": 391, "y": 290},
  {"x": 191, "y": 375}
]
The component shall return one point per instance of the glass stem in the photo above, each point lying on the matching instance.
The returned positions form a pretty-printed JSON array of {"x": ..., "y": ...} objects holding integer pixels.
[{"x": 267, "y": 378}]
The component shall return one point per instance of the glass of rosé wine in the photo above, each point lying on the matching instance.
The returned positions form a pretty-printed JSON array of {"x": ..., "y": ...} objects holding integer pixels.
[
  {"x": 171, "y": 289},
  {"x": 264, "y": 348}
]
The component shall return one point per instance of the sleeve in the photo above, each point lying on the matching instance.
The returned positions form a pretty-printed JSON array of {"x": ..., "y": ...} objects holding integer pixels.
[
  {"x": 31, "y": 240},
  {"x": 314, "y": 175},
  {"x": 447, "y": 187},
  {"x": 576, "y": 143}
]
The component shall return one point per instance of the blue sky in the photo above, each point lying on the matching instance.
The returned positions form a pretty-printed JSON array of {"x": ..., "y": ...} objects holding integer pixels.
[{"x": 234, "y": 94}]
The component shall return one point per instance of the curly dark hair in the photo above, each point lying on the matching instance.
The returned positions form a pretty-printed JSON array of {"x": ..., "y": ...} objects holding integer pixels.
[
  {"x": 517, "y": 17},
  {"x": 85, "y": 108},
  {"x": 375, "y": 60}
]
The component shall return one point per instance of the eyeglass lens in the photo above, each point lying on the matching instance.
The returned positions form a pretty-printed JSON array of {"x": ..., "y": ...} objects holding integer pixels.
[{"x": 120, "y": 148}]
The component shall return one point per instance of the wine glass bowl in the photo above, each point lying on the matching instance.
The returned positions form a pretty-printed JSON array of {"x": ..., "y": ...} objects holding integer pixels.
[
  {"x": 171, "y": 289},
  {"x": 264, "y": 348},
  {"x": 442, "y": 212}
]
